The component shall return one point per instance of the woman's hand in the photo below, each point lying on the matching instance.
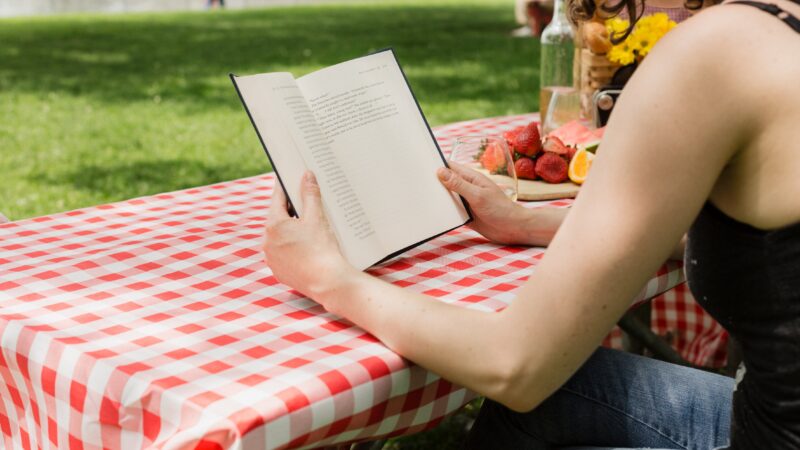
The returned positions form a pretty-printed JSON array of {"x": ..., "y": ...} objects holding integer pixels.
[
  {"x": 303, "y": 253},
  {"x": 497, "y": 217}
]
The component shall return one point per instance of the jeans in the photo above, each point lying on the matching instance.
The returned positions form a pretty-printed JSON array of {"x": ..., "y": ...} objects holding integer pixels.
[{"x": 617, "y": 400}]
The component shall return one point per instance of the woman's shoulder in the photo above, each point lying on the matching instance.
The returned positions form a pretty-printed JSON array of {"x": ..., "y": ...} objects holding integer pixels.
[
  {"x": 733, "y": 28},
  {"x": 731, "y": 47},
  {"x": 739, "y": 64}
]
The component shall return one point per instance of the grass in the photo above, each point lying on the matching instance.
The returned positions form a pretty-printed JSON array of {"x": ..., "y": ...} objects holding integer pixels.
[{"x": 100, "y": 108}]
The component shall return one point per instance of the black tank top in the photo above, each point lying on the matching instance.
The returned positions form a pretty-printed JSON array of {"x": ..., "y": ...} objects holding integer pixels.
[{"x": 749, "y": 280}]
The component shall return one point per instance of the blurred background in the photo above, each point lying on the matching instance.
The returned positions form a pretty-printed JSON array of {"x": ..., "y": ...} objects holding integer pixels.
[
  {"x": 45, "y": 7},
  {"x": 97, "y": 107}
]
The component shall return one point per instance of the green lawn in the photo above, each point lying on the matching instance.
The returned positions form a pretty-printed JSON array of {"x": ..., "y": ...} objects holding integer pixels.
[{"x": 99, "y": 108}]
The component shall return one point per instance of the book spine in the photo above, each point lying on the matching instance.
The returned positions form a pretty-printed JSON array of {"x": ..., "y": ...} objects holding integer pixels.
[{"x": 292, "y": 211}]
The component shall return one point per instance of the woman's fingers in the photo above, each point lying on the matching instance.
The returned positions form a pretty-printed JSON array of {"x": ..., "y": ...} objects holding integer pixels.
[
  {"x": 312, "y": 198},
  {"x": 470, "y": 175},
  {"x": 278, "y": 208},
  {"x": 456, "y": 183}
]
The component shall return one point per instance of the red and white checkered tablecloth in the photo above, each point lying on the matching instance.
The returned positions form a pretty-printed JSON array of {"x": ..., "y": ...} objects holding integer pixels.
[{"x": 154, "y": 323}]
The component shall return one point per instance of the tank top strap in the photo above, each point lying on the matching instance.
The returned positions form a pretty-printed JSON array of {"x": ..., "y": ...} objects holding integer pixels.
[{"x": 775, "y": 10}]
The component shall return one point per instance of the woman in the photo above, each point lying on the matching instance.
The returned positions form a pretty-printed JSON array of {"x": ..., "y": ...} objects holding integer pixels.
[{"x": 702, "y": 140}]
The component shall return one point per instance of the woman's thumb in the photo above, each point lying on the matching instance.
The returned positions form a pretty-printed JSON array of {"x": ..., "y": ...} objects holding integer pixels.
[
  {"x": 456, "y": 183},
  {"x": 310, "y": 193}
]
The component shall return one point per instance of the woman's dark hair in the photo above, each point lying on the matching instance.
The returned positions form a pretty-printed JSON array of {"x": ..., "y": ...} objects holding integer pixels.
[{"x": 583, "y": 10}]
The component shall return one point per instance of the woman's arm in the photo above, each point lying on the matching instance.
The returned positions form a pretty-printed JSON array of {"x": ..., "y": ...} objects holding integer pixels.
[
  {"x": 505, "y": 222},
  {"x": 675, "y": 127}
]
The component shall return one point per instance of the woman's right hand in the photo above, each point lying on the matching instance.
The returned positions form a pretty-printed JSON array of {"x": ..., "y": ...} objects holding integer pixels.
[{"x": 497, "y": 217}]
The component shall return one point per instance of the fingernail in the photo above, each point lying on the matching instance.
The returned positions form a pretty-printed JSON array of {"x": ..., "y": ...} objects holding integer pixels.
[
  {"x": 444, "y": 173},
  {"x": 309, "y": 177}
]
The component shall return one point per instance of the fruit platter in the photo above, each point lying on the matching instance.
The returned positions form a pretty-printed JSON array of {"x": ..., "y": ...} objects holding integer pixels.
[{"x": 549, "y": 167}]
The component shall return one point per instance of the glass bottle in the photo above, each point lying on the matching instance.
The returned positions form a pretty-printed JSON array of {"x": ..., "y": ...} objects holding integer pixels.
[{"x": 558, "y": 53}]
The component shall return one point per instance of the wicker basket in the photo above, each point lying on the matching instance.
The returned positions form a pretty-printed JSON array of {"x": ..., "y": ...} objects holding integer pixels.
[{"x": 596, "y": 72}]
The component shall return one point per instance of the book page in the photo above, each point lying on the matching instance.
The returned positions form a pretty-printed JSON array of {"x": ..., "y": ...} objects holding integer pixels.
[
  {"x": 263, "y": 98},
  {"x": 295, "y": 142},
  {"x": 368, "y": 113}
]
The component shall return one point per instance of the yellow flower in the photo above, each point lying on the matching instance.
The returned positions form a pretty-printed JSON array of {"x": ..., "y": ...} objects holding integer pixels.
[
  {"x": 647, "y": 31},
  {"x": 616, "y": 26},
  {"x": 659, "y": 20},
  {"x": 621, "y": 54},
  {"x": 642, "y": 41}
]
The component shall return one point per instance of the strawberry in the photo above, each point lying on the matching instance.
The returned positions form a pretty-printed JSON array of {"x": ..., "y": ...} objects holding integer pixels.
[
  {"x": 554, "y": 145},
  {"x": 528, "y": 141},
  {"x": 551, "y": 167},
  {"x": 571, "y": 152},
  {"x": 511, "y": 136},
  {"x": 525, "y": 168},
  {"x": 493, "y": 159}
]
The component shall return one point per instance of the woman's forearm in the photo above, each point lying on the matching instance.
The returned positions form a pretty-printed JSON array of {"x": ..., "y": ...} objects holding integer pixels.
[
  {"x": 465, "y": 346},
  {"x": 538, "y": 226},
  {"x": 460, "y": 344}
]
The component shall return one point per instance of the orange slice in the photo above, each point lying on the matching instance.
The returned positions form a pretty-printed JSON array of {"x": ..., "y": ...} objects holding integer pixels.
[{"x": 579, "y": 166}]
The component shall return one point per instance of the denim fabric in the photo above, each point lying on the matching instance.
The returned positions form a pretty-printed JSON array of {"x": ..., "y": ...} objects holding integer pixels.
[{"x": 617, "y": 400}]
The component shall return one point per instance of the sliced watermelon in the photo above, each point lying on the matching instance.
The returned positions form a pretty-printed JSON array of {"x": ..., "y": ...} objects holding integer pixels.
[
  {"x": 590, "y": 145},
  {"x": 576, "y": 134}
]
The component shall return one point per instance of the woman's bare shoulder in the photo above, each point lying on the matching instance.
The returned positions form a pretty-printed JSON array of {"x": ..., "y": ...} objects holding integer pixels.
[
  {"x": 731, "y": 51},
  {"x": 741, "y": 34},
  {"x": 736, "y": 32},
  {"x": 739, "y": 64}
]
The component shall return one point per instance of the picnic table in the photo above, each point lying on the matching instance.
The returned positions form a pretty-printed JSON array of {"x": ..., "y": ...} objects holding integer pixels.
[{"x": 154, "y": 323}]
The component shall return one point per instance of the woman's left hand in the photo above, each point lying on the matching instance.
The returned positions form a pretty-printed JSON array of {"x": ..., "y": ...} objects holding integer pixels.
[{"x": 303, "y": 253}]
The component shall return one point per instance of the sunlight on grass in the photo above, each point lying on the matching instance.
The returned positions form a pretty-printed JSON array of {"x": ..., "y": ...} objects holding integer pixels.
[{"x": 100, "y": 108}]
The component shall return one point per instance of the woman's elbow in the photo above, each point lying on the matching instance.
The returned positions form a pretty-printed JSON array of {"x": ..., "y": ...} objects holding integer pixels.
[
  {"x": 520, "y": 404},
  {"x": 518, "y": 387}
]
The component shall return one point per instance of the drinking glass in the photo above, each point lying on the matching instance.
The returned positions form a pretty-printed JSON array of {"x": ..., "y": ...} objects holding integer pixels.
[
  {"x": 564, "y": 107},
  {"x": 489, "y": 155}
]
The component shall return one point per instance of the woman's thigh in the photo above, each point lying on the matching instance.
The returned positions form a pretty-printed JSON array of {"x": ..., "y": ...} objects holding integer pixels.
[{"x": 617, "y": 400}]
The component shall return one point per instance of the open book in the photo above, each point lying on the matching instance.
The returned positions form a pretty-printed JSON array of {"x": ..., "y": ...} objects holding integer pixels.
[{"x": 358, "y": 127}]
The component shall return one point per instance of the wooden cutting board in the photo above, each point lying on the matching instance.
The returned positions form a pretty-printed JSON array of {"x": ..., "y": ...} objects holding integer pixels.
[
  {"x": 539, "y": 190},
  {"x": 529, "y": 190}
]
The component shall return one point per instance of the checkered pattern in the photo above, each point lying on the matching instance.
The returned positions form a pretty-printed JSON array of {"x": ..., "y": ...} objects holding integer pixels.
[
  {"x": 154, "y": 323},
  {"x": 698, "y": 337},
  {"x": 677, "y": 318}
]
